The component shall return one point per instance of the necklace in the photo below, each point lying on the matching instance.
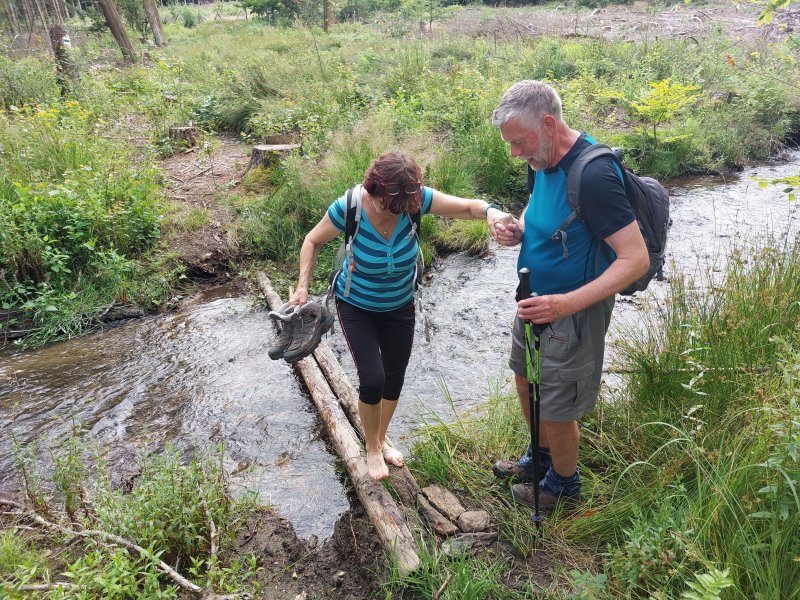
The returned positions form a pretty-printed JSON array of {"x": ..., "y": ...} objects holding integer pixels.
[{"x": 380, "y": 210}]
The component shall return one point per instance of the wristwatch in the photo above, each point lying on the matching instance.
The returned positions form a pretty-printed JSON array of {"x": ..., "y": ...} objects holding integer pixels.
[{"x": 492, "y": 205}]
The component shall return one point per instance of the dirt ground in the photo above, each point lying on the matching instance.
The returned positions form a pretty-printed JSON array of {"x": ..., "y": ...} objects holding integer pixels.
[
  {"x": 196, "y": 178},
  {"x": 347, "y": 566},
  {"x": 635, "y": 22}
]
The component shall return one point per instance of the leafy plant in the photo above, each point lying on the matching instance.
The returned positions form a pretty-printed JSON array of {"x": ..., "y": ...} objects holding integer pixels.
[
  {"x": 665, "y": 100},
  {"x": 708, "y": 585}
]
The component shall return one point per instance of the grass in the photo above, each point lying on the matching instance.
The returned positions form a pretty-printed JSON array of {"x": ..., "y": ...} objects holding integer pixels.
[{"x": 168, "y": 511}]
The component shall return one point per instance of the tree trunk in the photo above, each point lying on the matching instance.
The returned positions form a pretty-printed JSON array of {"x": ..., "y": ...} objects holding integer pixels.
[
  {"x": 59, "y": 12},
  {"x": 117, "y": 27},
  {"x": 326, "y": 14},
  {"x": 42, "y": 14},
  {"x": 265, "y": 155},
  {"x": 185, "y": 137},
  {"x": 8, "y": 8},
  {"x": 403, "y": 481},
  {"x": 154, "y": 20},
  {"x": 30, "y": 17},
  {"x": 392, "y": 530}
]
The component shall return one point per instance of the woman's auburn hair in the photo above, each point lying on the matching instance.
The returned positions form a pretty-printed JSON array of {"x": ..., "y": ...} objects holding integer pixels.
[{"x": 395, "y": 171}]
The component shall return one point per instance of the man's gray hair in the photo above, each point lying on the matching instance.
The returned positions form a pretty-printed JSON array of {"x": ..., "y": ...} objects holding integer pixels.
[{"x": 527, "y": 101}]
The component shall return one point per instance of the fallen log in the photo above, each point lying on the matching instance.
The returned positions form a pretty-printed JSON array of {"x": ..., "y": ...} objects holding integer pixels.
[{"x": 392, "y": 530}]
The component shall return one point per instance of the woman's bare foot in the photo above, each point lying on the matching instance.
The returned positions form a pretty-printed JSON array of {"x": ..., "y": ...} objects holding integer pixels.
[
  {"x": 376, "y": 467},
  {"x": 393, "y": 456}
]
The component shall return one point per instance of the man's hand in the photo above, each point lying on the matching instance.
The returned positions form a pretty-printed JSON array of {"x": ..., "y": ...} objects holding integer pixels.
[
  {"x": 507, "y": 231},
  {"x": 545, "y": 309}
]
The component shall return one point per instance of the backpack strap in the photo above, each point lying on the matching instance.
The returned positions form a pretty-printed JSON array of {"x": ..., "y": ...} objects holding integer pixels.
[
  {"x": 352, "y": 223},
  {"x": 419, "y": 268},
  {"x": 574, "y": 187}
]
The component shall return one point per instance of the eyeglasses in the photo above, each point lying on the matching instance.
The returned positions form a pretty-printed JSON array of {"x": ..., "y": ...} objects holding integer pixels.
[{"x": 407, "y": 190}]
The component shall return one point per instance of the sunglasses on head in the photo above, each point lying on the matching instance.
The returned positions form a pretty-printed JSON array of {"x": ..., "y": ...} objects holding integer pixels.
[{"x": 408, "y": 189}]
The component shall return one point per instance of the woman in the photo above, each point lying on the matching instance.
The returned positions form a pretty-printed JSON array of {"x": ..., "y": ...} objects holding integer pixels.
[{"x": 377, "y": 311}]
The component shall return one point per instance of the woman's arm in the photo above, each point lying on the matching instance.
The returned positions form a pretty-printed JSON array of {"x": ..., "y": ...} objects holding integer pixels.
[
  {"x": 322, "y": 233},
  {"x": 464, "y": 208}
]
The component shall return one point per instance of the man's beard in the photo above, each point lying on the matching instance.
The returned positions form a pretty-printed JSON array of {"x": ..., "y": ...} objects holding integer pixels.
[{"x": 542, "y": 156}]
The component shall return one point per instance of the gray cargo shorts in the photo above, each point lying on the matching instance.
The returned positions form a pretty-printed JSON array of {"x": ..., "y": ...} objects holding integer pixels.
[{"x": 572, "y": 351}]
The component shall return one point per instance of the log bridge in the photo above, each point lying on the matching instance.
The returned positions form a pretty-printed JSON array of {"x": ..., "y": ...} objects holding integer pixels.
[{"x": 337, "y": 403}]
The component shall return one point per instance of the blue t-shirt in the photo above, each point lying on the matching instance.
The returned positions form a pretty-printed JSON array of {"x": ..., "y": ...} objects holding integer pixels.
[
  {"x": 605, "y": 209},
  {"x": 383, "y": 278}
]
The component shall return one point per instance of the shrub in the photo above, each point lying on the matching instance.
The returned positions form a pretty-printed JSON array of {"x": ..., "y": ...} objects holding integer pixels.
[{"x": 27, "y": 81}]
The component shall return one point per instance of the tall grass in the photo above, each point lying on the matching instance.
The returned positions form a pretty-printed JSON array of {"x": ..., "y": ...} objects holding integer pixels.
[{"x": 692, "y": 478}]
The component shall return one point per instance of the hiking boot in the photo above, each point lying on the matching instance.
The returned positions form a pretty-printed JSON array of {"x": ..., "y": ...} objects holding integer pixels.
[
  {"x": 522, "y": 469},
  {"x": 524, "y": 494},
  {"x": 512, "y": 468},
  {"x": 283, "y": 316},
  {"x": 311, "y": 322}
]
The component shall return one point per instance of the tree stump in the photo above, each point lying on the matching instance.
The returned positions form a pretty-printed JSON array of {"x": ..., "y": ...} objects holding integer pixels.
[
  {"x": 265, "y": 155},
  {"x": 282, "y": 138},
  {"x": 187, "y": 136}
]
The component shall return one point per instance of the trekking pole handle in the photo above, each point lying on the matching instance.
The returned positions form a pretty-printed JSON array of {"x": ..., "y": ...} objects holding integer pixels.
[{"x": 524, "y": 289}]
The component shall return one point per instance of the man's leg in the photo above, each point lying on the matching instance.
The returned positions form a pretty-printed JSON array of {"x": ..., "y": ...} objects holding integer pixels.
[{"x": 564, "y": 438}]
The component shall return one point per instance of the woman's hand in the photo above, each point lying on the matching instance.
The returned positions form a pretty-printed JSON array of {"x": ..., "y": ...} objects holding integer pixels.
[
  {"x": 298, "y": 296},
  {"x": 498, "y": 221},
  {"x": 507, "y": 231}
]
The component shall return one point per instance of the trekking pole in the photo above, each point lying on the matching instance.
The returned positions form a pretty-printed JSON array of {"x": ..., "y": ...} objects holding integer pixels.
[{"x": 534, "y": 372}]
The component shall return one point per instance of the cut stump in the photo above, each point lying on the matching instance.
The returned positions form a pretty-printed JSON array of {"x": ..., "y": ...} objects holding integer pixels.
[
  {"x": 187, "y": 136},
  {"x": 266, "y": 155}
]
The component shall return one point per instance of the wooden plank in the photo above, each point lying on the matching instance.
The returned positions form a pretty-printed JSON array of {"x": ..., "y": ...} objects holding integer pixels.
[{"x": 381, "y": 508}]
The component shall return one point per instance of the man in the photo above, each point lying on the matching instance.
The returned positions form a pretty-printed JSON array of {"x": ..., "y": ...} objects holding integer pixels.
[{"x": 575, "y": 288}]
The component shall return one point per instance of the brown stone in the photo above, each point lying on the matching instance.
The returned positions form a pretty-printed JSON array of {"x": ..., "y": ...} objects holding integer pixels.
[
  {"x": 444, "y": 501},
  {"x": 471, "y": 521},
  {"x": 438, "y": 521}
]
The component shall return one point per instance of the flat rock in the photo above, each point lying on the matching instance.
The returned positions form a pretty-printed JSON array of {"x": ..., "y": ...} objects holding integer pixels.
[
  {"x": 437, "y": 520},
  {"x": 444, "y": 501}
]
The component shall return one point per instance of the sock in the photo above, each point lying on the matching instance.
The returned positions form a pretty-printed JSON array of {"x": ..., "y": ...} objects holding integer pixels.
[
  {"x": 545, "y": 460},
  {"x": 557, "y": 485}
]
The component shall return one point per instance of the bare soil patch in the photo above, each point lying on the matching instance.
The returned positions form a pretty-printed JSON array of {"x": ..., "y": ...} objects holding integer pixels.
[
  {"x": 636, "y": 22},
  {"x": 196, "y": 178}
]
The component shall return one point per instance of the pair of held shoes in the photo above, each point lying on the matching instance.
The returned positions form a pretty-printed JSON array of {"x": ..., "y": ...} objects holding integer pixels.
[{"x": 302, "y": 328}]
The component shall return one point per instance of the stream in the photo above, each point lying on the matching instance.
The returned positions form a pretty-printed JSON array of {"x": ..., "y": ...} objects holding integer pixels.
[{"x": 201, "y": 376}]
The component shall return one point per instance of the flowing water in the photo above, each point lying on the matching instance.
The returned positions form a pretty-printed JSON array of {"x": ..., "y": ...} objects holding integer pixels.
[{"x": 201, "y": 376}]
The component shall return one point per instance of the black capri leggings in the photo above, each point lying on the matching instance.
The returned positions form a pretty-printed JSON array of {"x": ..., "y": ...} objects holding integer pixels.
[{"x": 380, "y": 343}]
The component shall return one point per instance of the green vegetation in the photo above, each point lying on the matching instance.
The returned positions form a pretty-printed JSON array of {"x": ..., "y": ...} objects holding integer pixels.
[
  {"x": 177, "y": 511},
  {"x": 691, "y": 476},
  {"x": 691, "y": 479}
]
